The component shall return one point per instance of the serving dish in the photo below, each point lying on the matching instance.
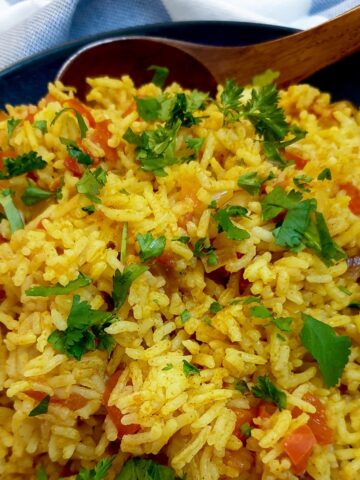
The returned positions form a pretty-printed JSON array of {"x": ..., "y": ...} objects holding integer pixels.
[{"x": 25, "y": 81}]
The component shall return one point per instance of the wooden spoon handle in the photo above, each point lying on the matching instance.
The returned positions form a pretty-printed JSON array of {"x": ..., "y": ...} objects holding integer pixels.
[{"x": 296, "y": 56}]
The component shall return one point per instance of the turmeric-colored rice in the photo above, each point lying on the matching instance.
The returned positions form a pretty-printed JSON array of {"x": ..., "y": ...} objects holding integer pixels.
[{"x": 190, "y": 423}]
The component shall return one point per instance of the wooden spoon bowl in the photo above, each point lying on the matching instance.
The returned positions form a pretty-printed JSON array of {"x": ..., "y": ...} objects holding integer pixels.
[{"x": 296, "y": 57}]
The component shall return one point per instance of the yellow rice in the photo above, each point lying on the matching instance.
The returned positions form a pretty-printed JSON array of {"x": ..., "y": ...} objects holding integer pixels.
[{"x": 189, "y": 419}]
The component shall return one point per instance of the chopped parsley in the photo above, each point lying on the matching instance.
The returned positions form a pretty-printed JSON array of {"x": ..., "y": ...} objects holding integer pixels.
[
  {"x": 242, "y": 386},
  {"x": 213, "y": 204},
  {"x": 215, "y": 307},
  {"x": 184, "y": 239},
  {"x": 167, "y": 367},
  {"x": 267, "y": 391},
  {"x": 84, "y": 332},
  {"x": 251, "y": 299},
  {"x": 251, "y": 183},
  {"x": 190, "y": 369},
  {"x": 99, "y": 472},
  {"x": 354, "y": 305},
  {"x": 202, "y": 248},
  {"x": 260, "y": 311},
  {"x": 331, "y": 351},
  {"x": 282, "y": 323},
  {"x": 41, "y": 407},
  {"x": 325, "y": 174},
  {"x": 75, "y": 152},
  {"x": 81, "y": 122},
  {"x": 150, "y": 247},
  {"x": 302, "y": 226},
  {"x": 302, "y": 181},
  {"x": 137, "y": 468},
  {"x": 11, "y": 212},
  {"x": 122, "y": 282},
  {"x": 245, "y": 429},
  {"x": 263, "y": 111},
  {"x": 89, "y": 209},
  {"x": 194, "y": 144},
  {"x": 123, "y": 246},
  {"x": 160, "y": 75},
  {"x": 41, "y": 473},
  {"x": 13, "y": 167},
  {"x": 91, "y": 183},
  {"x": 33, "y": 195},
  {"x": 265, "y": 78},
  {"x": 345, "y": 290},
  {"x": 58, "y": 191},
  {"x": 41, "y": 125},
  {"x": 223, "y": 217},
  {"x": 40, "y": 291},
  {"x": 185, "y": 316},
  {"x": 11, "y": 125}
]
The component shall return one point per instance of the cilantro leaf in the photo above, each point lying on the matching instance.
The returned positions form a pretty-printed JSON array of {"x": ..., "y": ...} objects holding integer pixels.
[
  {"x": 290, "y": 233},
  {"x": 185, "y": 316},
  {"x": 84, "y": 327},
  {"x": 12, "y": 213},
  {"x": 98, "y": 473},
  {"x": 91, "y": 183},
  {"x": 230, "y": 100},
  {"x": 122, "y": 282},
  {"x": 184, "y": 239},
  {"x": 202, "y": 248},
  {"x": 325, "y": 174},
  {"x": 80, "y": 282},
  {"x": 245, "y": 429},
  {"x": 354, "y": 305},
  {"x": 41, "y": 125},
  {"x": 41, "y": 473},
  {"x": 81, "y": 122},
  {"x": 75, "y": 152},
  {"x": 265, "y": 78},
  {"x": 160, "y": 75},
  {"x": 194, "y": 143},
  {"x": 138, "y": 468},
  {"x": 41, "y": 407},
  {"x": 190, "y": 369},
  {"x": 302, "y": 181},
  {"x": 212, "y": 205},
  {"x": 150, "y": 247},
  {"x": 21, "y": 164},
  {"x": 251, "y": 299},
  {"x": 283, "y": 323},
  {"x": 260, "y": 311},
  {"x": 278, "y": 200},
  {"x": 124, "y": 236},
  {"x": 345, "y": 290},
  {"x": 33, "y": 195},
  {"x": 267, "y": 391},
  {"x": 242, "y": 386},
  {"x": 223, "y": 216},
  {"x": 331, "y": 351},
  {"x": 11, "y": 125},
  {"x": 89, "y": 209},
  {"x": 215, "y": 307},
  {"x": 251, "y": 183}
]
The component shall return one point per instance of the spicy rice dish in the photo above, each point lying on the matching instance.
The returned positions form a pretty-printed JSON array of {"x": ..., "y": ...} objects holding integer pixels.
[{"x": 178, "y": 284}]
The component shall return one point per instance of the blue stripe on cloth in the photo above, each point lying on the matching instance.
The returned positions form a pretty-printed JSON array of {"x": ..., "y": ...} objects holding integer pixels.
[
  {"x": 319, "y": 5},
  {"x": 94, "y": 16},
  {"x": 331, "y": 8}
]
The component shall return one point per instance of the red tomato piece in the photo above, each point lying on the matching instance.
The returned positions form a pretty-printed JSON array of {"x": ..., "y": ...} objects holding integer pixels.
[
  {"x": 113, "y": 412},
  {"x": 266, "y": 410},
  {"x": 82, "y": 109},
  {"x": 318, "y": 422},
  {"x": 354, "y": 194},
  {"x": 72, "y": 165},
  {"x": 298, "y": 447},
  {"x": 243, "y": 416},
  {"x": 299, "y": 161},
  {"x": 166, "y": 259},
  {"x": 35, "y": 395},
  {"x": 100, "y": 136}
]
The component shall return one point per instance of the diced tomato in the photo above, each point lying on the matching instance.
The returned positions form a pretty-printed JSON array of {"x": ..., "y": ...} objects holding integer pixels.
[
  {"x": 33, "y": 176},
  {"x": 49, "y": 98},
  {"x": 240, "y": 459},
  {"x": 130, "y": 109},
  {"x": 30, "y": 117},
  {"x": 298, "y": 447},
  {"x": 74, "y": 402},
  {"x": 35, "y": 395},
  {"x": 354, "y": 194},
  {"x": 166, "y": 259},
  {"x": 243, "y": 282},
  {"x": 100, "y": 136},
  {"x": 299, "y": 161},
  {"x": 318, "y": 422},
  {"x": 72, "y": 165},
  {"x": 243, "y": 416},
  {"x": 266, "y": 410},
  {"x": 40, "y": 224},
  {"x": 113, "y": 412},
  {"x": 82, "y": 109}
]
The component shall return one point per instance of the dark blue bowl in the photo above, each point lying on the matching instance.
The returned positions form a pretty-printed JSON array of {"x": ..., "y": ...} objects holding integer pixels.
[{"x": 26, "y": 81}]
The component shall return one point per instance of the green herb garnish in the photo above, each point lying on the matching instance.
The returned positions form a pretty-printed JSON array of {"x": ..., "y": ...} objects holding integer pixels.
[
  {"x": 41, "y": 407},
  {"x": 11, "y": 125},
  {"x": 75, "y": 152},
  {"x": 267, "y": 391},
  {"x": 168, "y": 367},
  {"x": 33, "y": 195},
  {"x": 41, "y": 125},
  {"x": 302, "y": 181},
  {"x": 202, "y": 248},
  {"x": 123, "y": 247},
  {"x": 265, "y": 78},
  {"x": 242, "y": 386},
  {"x": 40, "y": 291},
  {"x": 13, "y": 167},
  {"x": 223, "y": 217},
  {"x": 325, "y": 174},
  {"x": 143, "y": 469},
  {"x": 98, "y": 473},
  {"x": 215, "y": 307},
  {"x": 89, "y": 209},
  {"x": 41, "y": 473},
  {"x": 150, "y": 247},
  {"x": 185, "y": 316},
  {"x": 190, "y": 369},
  {"x": 331, "y": 351},
  {"x": 122, "y": 282},
  {"x": 91, "y": 183},
  {"x": 81, "y": 122},
  {"x": 11, "y": 212},
  {"x": 160, "y": 75}
]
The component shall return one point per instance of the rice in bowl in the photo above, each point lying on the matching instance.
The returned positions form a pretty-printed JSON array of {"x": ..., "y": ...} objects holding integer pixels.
[{"x": 172, "y": 337}]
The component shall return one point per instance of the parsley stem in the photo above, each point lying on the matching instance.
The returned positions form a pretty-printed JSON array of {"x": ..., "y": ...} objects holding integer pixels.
[{"x": 124, "y": 236}]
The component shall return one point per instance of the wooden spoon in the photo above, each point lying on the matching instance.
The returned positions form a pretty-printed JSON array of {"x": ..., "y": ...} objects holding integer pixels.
[{"x": 296, "y": 57}]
